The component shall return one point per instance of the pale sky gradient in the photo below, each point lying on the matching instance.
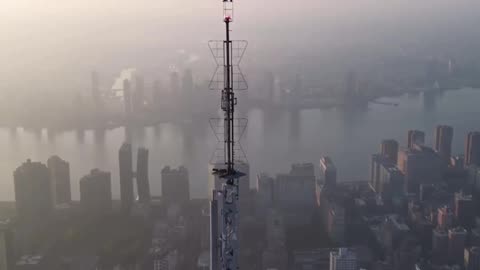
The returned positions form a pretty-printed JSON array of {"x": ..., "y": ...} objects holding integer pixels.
[{"x": 44, "y": 39}]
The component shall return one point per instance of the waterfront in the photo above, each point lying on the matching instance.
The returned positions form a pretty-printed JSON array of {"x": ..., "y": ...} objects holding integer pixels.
[{"x": 274, "y": 139}]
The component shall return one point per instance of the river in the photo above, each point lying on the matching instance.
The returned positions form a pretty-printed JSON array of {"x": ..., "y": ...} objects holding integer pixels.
[{"x": 273, "y": 140}]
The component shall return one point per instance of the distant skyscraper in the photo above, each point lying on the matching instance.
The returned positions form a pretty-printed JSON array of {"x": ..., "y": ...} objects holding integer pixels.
[
  {"x": 464, "y": 210},
  {"x": 456, "y": 245},
  {"x": 375, "y": 164},
  {"x": 329, "y": 172},
  {"x": 33, "y": 195},
  {"x": 96, "y": 192},
  {"x": 139, "y": 94},
  {"x": 126, "y": 177},
  {"x": 415, "y": 137},
  {"x": 143, "y": 185},
  {"x": 443, "y": 141},
  {"x": 343, "y": 259},
  {"x": 127, "y": 98},
  {"x": 472, "y": 149},
  {"x": 390, "y": 150},
  {"x": 265, "y": 187},
  {"x": 59, "y": 180},
  {"x": 391, "y": 181},
  {"x": 175, "y": 185},
  {"x": 472, "y": 258},
  {"x": 7, "y": 249}
]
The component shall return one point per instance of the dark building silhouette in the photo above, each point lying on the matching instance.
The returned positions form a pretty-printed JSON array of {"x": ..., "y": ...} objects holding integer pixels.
[
  {"x": 329, "y": 172},
  {"x": 464, "y": 210},
  {"x": 389, "y": 149},
  {"x": 175, "y": 185},
  {"x": 59, "y": 180},
  {"x": 472, "y": 149},
  {"x": 415, "y": 137},
  {"x": 440, "y": 246},
  {"x": 139, "y": 94},
  {"x": 127, "y": 98},
  {"x": 126, "y": 178},
  {"x": 96, "y": 192},
  {"x": 143, "y": 185},
  {"x": 472, "y": 258},
  {"x": 457, "y": 238},
  {"x": 33, "y": 196},
  {"x": 7, "y": 248},
  {"x": 443, "y": 141}
]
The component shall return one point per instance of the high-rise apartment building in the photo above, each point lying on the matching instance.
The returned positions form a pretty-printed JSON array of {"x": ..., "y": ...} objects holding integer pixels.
[
  {"x": 420, "y": 165},
  {"x": 33, "y": 195},
  {"x": 415, "y": 137},
  {"x": 464, "y": 210},
  {"x": 472, "y": 149},
  {"x": 389, "y": 149},
  {"x": 143, "y": 184},
  {"x": 443, "y": 141},
  {"x": 126, "y": 178},
  {"x": 59, "y": 180},
  {"x": 96, "y": 192}
]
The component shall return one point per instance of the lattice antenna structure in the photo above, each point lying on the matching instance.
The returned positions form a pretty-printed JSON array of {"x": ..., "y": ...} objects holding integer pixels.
[{"x": 228, "y": 78}]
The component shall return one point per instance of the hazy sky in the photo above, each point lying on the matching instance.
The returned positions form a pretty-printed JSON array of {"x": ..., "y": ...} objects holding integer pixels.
[{"x": 45, "y": 39}]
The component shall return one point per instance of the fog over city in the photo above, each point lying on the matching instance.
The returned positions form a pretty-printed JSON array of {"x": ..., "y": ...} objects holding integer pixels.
[{"x": 239, "y": 134}]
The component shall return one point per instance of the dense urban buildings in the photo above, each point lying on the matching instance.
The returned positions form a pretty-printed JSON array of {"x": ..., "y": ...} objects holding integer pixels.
[
  {"x": 126, "y": 177},
  {"x": 59, "y": 180},
  {"x": 291, "y": 219},
  {"x": 96, "y": 192}
]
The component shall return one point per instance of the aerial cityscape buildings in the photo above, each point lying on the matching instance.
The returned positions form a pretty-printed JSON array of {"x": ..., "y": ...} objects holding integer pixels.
[
  {"x": 126, "y": 177},
  {"x": 59, "y": 180},
  {"x": 96, "y": 192}
]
